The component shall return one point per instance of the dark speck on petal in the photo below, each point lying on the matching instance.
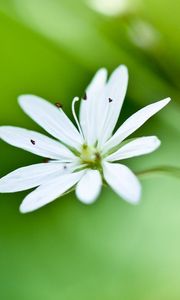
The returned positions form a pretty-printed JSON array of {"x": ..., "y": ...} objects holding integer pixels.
[
  {"x": 85, "y": 96},
  {"x": 33, "y": 142}
]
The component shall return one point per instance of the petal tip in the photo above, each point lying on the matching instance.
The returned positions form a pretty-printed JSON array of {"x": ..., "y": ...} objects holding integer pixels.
[
  {"x": 89, "y": 187},
  {"x": 165, "y": 101},
  {"x": 103, "y": 70},
  {"x": 85, "y": 199},
  {"x": 155, "y": 141},
  {"x": 23, "y": 209},
  {"x": 137, "y": 198},
  {"x": 23, "y": 98},
  {"x": 123, "y": 68}
]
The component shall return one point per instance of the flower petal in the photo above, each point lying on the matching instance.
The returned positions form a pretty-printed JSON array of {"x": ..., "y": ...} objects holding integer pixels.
[
  {"x": 137, "y": 147},
  {"x": 89, "y": 187},
  {"x": 122, "y": 181},
  {"x": 112, "y": 103},
  {"x": 35, "y": 142},
  {"x": 52, "y": 119},
  {"x": 134, "y": 122},
  {"x": 88, "y": 108},
  {"x": 31, "y": 176},
  {"x": 49, "y": 191}
]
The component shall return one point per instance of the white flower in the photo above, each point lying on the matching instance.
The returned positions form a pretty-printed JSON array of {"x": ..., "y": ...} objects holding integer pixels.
[{"x": 85, "y": 157}]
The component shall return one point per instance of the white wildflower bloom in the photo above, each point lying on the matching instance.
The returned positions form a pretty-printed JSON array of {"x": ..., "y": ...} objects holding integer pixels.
[{"x": 80, "y": 158}]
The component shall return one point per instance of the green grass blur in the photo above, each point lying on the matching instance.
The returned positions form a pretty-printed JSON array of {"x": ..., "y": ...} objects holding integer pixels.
[{"x": 109, "y": 250}]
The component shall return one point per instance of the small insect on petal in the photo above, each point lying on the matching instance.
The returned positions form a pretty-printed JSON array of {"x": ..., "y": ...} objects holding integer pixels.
[
  {"x": 85, "y": 96},
  {"x": 110, "y": 100},
  {"x": 33, "y": 142},
  {"x": 58, "y": 105}
]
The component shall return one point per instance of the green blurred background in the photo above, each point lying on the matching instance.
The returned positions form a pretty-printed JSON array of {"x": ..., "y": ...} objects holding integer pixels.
[{"x": 109, "y": 250}]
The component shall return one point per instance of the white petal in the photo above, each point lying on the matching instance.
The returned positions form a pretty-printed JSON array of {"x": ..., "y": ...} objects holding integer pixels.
[
  {"x": 48, "y": 192},
  {"x": 35, "y": 142},
  {"x": 31, "y": 176},
  {"x": 89, "y": 187},
  {"x": 134, "y": 122},
  {"x": 97, "y": 84},
  {"x": 111, "y": 106},
  {"x": 137, "y": 147},
  {"x": 88, "y": 108},
  {"x": 52, "y": 119},
  {"x": 122, "y": 181}
]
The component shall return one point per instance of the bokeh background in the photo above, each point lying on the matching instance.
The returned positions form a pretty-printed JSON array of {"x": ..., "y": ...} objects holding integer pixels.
[{"x": 109, "y": 250}]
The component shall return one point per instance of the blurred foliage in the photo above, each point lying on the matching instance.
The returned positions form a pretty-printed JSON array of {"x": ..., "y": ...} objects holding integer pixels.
[{"x": 109, "y": 250}]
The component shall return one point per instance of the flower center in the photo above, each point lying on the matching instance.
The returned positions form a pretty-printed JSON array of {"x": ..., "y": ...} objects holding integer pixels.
[{"x": 90, "y": 155}]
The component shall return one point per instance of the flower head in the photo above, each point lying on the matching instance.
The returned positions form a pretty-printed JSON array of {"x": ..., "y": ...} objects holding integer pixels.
[{"x": 81, "y": 157}]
